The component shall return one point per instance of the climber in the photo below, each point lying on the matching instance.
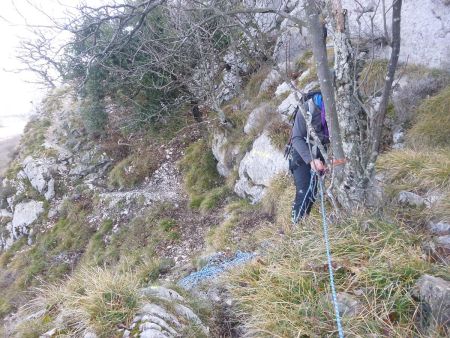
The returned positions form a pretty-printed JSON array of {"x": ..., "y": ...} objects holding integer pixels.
[{"x": 305, "y": 160}]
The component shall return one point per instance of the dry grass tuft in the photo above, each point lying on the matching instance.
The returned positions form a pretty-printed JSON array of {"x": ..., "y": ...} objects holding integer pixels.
[
  {"x": 372, "y": 77},
  {"x": 92, "y": 299},
  {"x": 279, "y": 133},
  {"x": 416, "y": 170}
]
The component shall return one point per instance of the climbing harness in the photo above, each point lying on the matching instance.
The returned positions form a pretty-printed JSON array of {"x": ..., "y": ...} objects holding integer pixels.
[{"x": 328, "y": 251}]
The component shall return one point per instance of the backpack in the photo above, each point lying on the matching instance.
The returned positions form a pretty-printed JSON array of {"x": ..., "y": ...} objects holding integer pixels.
[{"x": 311, "y": 100}]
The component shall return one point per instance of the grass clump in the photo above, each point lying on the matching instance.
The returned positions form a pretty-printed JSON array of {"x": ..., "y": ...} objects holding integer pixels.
[
  {"x": 200, "y": 172},
  {"x": 97, "y": 299},
  {"x": 372, "y": 77},
  {"x": 432, "y": 121},
  {"x": 287, "y": 293},
  {"x": 279, "y": 133},
  {"x": 133, "y": 169},
  {"x": 254, "y": 83}
]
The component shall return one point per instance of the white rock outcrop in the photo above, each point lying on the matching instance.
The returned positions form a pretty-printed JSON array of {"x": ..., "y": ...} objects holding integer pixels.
[
  {"x": 257, "y": 118},
  {"x": 25, "y": 214},
  {"x": 258, "y": 167},
  {"x": 39, "y": 173}
]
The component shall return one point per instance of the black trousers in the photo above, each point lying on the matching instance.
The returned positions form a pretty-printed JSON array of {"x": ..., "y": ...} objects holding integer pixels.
[{"x": 305, "y": 190}]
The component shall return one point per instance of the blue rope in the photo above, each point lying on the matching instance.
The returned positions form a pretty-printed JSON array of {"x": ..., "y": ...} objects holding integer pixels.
[{"x": 330, "y": 266}]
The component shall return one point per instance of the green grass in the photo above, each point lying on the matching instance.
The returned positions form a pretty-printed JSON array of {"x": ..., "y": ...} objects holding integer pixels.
[{"x": 432, "y": 121}]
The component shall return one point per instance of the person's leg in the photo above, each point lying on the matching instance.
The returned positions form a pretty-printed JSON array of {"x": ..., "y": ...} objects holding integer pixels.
[{"x": 304, "y": 191}]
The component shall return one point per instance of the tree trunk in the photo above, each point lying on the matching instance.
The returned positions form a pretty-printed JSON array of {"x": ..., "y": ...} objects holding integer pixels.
[
  {"x": 342, "y": 110},
  {"x": 352, "y": 119},
  {"x": 319, "y": 48}
]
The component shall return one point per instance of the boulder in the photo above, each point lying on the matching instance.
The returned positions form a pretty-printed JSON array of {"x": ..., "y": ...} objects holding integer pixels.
[
  {"x": 410, "y": 199},
  {"x": 434, "y": 295},
  {"x": 258, "y": 167}
]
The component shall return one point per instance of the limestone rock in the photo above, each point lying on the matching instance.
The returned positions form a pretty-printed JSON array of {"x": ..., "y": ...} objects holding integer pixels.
[
  {"x": 39, "y": 173},
  {"x": 257, "y": 118},
  {"x": 49, "y": 333},
  {"x": 223, "y": 152},
  {"x": 349, "y": 306},
  {"x": 25, "y": 214},
  {"x": 425, "y": 30},
  {"x": 434, "y": 293},
  {"x": 439, "y": 228},
  {"x": 398, "y": 139},
  {"x": 287, "y": 107},
  {"x": 282, "y": 88},
  {"x": 166, "y": 319},
  {"x": 291, "y": 42},
  {"x": 272, "y": 78},
  {"x": 258, "y": 167},
  {"x": 163, "y": 293},
  {"x": 410, "y": 199}
]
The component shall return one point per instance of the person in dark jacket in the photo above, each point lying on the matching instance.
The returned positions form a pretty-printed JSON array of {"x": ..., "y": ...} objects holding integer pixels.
[{"x": 306, "y": 157}]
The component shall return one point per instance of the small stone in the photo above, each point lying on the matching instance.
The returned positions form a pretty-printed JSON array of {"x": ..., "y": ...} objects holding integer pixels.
[
  {"x": 163, "y": 293},
  {"x": 410, "y": 199},
  {"x": 439, "y": 229},
  {"x": 49, "y": 333},
  {"x": 434, "y": 293},
  {"x": 152, "y": 334},
  {"x": 349, "y": 306},
  {"x": 126, "y": 334}
]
